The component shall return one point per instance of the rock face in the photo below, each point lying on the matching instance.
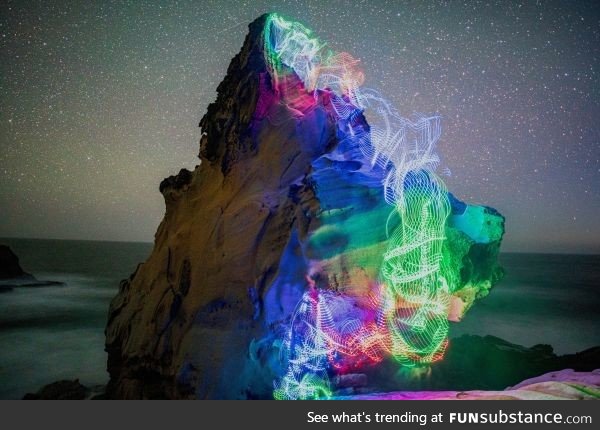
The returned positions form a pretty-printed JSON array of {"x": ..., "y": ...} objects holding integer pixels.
[{"x": 204, "y": 316}]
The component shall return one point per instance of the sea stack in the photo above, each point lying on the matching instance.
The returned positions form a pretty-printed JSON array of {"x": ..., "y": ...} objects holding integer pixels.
[
  {"x": 9, "y": 265},
  {"x": 282, "y": 202}
]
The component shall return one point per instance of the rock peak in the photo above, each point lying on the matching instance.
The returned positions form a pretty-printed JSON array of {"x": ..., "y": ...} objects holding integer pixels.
[
  {"x": 225, "y": 124},
  {"x": 285, "y": 208}
]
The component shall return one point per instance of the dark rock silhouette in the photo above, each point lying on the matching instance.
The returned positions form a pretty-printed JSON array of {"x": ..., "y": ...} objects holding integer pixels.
[
  {"x": 9, "y": 264},
  {"x": 500, "y": 366},
  {"x": 13, "y": 276},
  {"x": 60, "y": 390},
  {"x": 484, "y": 363}
]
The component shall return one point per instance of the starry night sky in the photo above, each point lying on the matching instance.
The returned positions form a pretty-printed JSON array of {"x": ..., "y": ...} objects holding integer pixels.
[{"x": 101, "y": 100}]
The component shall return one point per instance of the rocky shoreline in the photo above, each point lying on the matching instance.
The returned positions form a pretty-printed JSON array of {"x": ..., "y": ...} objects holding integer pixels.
[
  {"x": 510, "y": 372},
  {"x": 13, "y": 276},
  {"x": 562, "y": 385}
]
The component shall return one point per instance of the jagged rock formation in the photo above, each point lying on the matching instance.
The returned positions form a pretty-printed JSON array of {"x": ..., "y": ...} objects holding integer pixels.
[
  {"x": 203, "y": 316},
  {"x": 9, "y": 264},
  {"x": 13, "y": 276},
  {"x": 178, "y": 324}
]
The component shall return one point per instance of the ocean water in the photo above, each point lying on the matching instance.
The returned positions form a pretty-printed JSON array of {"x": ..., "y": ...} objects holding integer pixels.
[
  {"x": 543, "y": 299},
  {"x": 53, "y": 333}
]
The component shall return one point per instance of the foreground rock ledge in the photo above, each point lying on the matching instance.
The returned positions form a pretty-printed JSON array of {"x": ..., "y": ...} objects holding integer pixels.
[{"x": 562, "y": 385}]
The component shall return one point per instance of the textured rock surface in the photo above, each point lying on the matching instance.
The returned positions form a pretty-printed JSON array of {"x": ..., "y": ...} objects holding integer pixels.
[
  {"x": 202, "y": 317},
  {"x": 563, "y": 385},
  {"x": 178, "y": 324},
  {"x": 584, "y": 378}
]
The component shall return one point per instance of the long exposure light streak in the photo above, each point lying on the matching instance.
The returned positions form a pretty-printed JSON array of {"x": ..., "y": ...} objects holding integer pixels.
[{"x": 407, "y": 315}]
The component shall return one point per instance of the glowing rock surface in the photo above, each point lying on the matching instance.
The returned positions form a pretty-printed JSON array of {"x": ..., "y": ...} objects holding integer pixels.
[
  {"x": 383, "y": 224},
  {"x": 315, "y": 239},
  {"x": 562, "y": 385}
]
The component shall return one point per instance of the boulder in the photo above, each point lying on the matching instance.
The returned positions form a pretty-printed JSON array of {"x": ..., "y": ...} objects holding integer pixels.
[{"x": 60, "y": 390}]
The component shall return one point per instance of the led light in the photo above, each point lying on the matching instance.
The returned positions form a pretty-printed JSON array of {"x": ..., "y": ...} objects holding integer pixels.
[{"x": 407, "y": 312}]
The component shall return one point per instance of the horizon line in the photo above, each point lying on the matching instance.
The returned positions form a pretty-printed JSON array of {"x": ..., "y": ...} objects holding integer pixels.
[{"x": 590, "y": 253}]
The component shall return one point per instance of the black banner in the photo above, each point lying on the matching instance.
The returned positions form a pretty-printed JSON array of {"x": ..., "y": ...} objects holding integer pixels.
[{"x": 300, "y": 414}]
